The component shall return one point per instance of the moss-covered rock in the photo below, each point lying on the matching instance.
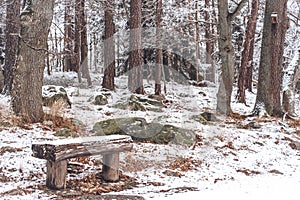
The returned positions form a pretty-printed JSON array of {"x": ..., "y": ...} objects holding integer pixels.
[
  {"x": 142, "y": 131},
  {"x": 64, "y": 132},
  {"x": 123, "y": 126}
]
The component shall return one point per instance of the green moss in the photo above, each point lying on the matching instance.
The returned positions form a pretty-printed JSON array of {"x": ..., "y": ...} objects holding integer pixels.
[{"x": 142, "y": 131}]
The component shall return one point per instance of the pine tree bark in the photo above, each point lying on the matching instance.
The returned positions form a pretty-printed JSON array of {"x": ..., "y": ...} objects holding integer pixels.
[
  {"x": 135, "y": 79},
  {"x": 109, "y": 47},
  {"x": 270, "y": 69},
  {"x": 32, "y": 52},
  {"x": 247, "y": 54},
  {"x": 159, "y": 53},
  {"x": 12, "y": 32}
]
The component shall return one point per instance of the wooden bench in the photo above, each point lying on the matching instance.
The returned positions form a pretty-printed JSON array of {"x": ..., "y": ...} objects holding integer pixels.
[{"x": 58, "y": 152}]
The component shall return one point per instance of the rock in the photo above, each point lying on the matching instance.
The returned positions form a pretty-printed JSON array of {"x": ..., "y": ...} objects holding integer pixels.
[
  {"x": 248, "y": 125},
  {"x": 135, "y": 104},
  {"x": 142, "y": 131},
  {"x": 203, "y": 83},
  {"x": 100, "y": 98},
  {"x": 205, "y": 118},
  {"x": 64, "y": 132},
  {"x": 174, "y": 135},
  {"x": 141, "y": 103},
  {"x": 123, "y": 126},
  {"x": 52, "y": 94}
]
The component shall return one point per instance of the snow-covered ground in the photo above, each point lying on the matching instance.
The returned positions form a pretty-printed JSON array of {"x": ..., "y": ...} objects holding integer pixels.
[{"x": 234, "y": 158}]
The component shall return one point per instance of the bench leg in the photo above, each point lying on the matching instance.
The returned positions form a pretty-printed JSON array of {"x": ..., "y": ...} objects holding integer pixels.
[
  {"x": 110, "y": 167},
  {"x": 56, "y": 174}
]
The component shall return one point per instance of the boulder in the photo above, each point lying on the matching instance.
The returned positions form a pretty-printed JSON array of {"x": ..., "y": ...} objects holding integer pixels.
[
  {"x": 205, "y": 118},
  {"x": 52, "y": 94},
  {"x": 141, "y": 103},
  {"x": 142, "y": 131},
  {"x": 99, "y": 99}
]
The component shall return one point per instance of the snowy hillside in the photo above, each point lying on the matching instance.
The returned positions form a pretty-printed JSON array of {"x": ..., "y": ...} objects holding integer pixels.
[{"x": 231, "y": 158}]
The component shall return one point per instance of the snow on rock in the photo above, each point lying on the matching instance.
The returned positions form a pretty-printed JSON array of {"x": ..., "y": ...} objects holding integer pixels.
[{"x": 52, "y": 94}]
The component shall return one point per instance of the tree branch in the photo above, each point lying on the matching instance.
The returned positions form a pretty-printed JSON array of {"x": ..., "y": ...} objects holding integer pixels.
[
  {"x": 237, "y": 9},
  {"x": 35, "y": 48}
]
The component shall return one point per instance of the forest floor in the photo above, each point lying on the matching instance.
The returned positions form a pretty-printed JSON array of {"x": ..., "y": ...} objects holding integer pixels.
[{"x": 233, "y": 158}]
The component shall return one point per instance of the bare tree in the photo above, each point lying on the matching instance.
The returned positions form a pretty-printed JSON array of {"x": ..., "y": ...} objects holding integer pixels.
[
  {"x": 226, "y": 54},
  {"x": 245, "y": 74},
  {"x": 35, "y": 23}
]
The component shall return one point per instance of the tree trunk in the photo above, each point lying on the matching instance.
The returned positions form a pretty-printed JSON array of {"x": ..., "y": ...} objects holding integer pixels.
[
  {"x": 159, "y": 53},
  {"x": 270, "y": 69},
  {"x": 68, "y": 47},
  {"x": 77, "y": 40},
  {"x": 226, "y": 55},
  {"x": 109, "y": 47},
  {"x": 135, "y": 79},
  {"x": 95, "y": 52},
  {"x": 35, "y": 25},
  {"x": 11, "y": 40},
  {"x": 209, "y": 59},
  {"x": 197, "y": 56},
  {"x": 247, "y": 54},
  {"x": 84, "y": 45}
]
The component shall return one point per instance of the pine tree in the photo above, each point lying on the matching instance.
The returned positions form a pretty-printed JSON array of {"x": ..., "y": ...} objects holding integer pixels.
[
  {"x": 271, "y": 60},
  {"x": 135, "y": 79},
  {"x": 109, "y": 47}
]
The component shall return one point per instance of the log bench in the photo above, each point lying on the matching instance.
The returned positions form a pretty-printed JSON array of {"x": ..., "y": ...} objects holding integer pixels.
[{"x": 58, "y": 152}]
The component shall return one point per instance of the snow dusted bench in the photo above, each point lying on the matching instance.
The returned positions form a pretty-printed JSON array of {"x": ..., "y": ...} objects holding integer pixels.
[{"x": 58, "y": 152}]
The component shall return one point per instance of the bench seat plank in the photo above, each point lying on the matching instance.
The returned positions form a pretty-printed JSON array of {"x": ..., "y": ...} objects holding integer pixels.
[{"x": 78, "y": 147}]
